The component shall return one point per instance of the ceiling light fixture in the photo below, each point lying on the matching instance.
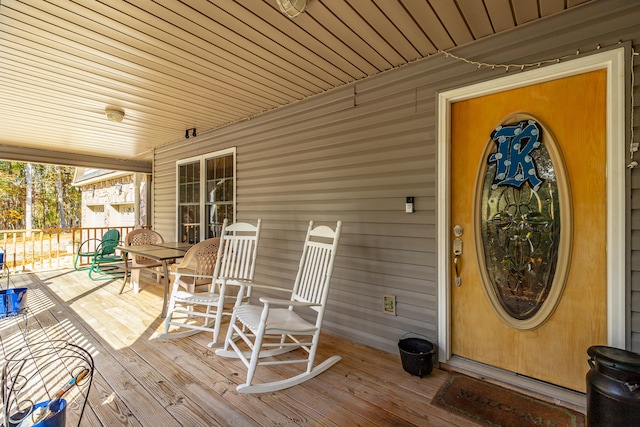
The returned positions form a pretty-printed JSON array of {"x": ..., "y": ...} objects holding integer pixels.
[
  {"x": 114, "y": 114},
  {"x": 292, "y": 8}
]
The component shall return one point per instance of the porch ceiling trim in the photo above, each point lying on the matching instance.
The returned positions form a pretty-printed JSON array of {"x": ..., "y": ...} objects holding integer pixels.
[{"x": 35, "y": 155}]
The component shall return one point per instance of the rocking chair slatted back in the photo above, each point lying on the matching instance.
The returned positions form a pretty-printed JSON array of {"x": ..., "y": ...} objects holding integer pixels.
[
  {"x": 316, "y": 267},
  {"x": 238, "y": 251}
]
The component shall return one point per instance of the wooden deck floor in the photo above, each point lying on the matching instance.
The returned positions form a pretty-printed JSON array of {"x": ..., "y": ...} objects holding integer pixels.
[{"x": 142, "y": 381}]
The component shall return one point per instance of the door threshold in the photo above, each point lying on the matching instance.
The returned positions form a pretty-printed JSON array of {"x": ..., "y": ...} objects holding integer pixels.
[{"x": 526, "y": 385}]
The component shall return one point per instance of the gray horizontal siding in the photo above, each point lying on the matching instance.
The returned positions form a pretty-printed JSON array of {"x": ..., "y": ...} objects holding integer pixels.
[{"x": 355, "y": 153}]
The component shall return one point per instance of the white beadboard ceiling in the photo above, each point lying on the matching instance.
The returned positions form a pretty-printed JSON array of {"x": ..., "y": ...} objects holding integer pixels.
[{"x": 178, "y": 64}]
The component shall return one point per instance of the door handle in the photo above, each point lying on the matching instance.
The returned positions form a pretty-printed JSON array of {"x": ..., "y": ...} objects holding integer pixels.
[{"x": 457, "y": 253}]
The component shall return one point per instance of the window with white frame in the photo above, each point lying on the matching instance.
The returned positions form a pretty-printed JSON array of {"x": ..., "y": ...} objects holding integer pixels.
[{"x": 205, "y": 195}]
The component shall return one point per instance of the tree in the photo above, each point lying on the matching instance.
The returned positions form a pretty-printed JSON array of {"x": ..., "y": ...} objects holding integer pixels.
[
  {"x": 28, "y": 207},
  {"x": 55, "y": 203},
  {"x": 63, "y": 222},
  {"x": 12, "y": 196}
]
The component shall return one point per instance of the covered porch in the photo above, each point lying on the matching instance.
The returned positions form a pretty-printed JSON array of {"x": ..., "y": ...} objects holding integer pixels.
[
  {"x": 354, "y": 151},
  {"x": 139, "y": 380}
]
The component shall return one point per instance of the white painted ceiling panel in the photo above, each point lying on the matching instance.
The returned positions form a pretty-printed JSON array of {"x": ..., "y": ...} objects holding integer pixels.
[{"x": 173, "y": 65}]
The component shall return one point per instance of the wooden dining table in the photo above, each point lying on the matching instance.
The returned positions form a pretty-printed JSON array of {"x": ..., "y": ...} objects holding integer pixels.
[{"x": 163, "y": 252}]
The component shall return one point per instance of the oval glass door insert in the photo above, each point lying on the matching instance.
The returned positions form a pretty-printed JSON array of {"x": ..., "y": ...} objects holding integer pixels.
[{"x": 524, "y": 220}]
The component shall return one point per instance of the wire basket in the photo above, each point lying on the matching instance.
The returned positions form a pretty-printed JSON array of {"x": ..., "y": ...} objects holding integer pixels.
[{"x": 36, "y": 377}]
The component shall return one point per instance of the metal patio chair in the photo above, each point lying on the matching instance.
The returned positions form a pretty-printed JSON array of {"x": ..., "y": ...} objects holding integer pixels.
[{"x": 105, "y": 263}]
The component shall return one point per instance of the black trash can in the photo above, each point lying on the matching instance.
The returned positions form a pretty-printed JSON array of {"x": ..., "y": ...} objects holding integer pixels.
[
  {"x": 613, "y": 387},
  {"x": 416, "y": 355}
]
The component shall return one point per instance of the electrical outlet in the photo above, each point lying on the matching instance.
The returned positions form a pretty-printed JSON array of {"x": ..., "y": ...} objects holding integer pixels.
[{"x": 389, "y": 304}]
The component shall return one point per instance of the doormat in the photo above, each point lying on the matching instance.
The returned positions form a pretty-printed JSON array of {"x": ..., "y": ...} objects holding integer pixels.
[{"x": 489, "y": 404}]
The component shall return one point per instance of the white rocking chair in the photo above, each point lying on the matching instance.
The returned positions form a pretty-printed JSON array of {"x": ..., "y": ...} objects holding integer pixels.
[
  {"x": 274, "y": 328},
  {"x": 234, "y": 265}
]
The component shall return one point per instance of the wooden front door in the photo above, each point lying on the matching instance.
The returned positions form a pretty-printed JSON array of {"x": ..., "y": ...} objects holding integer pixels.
[{"x": 574, "y": 110}]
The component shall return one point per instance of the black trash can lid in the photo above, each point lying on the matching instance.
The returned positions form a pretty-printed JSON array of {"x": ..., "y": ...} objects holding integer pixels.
[{"x": 615, "y": 357}]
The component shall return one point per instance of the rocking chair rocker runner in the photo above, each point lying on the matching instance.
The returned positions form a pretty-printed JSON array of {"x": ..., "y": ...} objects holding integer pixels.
[
  {"x": 275, "y": 328},
  {"x": 235, "y": 258},
  {"x": 103, "y": 254}
]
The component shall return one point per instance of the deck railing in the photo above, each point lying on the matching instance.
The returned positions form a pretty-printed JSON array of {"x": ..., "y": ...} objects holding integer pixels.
[{"x": 49, "y": 248}]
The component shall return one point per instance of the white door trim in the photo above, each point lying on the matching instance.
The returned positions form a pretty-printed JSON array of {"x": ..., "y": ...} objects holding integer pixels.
[{"x": 613, "y": 61}]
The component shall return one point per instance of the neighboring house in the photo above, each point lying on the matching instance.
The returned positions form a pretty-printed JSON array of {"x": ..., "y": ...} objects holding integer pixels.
[{"x": 113, "y": 198}]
